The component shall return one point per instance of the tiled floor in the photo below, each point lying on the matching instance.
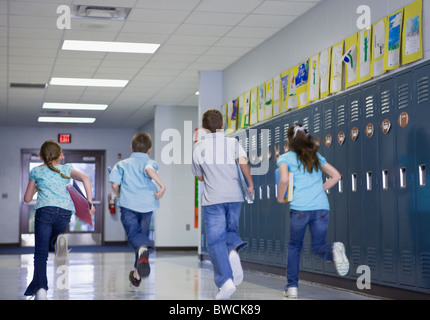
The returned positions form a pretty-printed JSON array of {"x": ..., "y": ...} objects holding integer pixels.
[{"x": 174, "y": 276}]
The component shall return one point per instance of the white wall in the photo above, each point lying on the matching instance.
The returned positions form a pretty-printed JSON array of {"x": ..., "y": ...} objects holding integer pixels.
[{"x": 323, "y": 26}]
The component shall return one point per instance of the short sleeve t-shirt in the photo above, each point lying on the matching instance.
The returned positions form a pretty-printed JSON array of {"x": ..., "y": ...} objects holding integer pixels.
[
  {"x": 52, "y": 187},
  {"x": 309, "y": 193}
]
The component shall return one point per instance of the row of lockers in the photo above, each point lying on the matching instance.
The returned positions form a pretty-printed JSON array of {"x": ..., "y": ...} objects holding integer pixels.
[{"x": 378, "y": 137}]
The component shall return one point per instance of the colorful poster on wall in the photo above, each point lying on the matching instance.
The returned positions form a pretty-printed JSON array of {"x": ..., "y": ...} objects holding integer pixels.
[
  {"x": 246, "y": 109},
  {"x": 268, "y": 104},
  {"x": 284, "y": 89},
  {"x": 324, "y": 62},
  {"x": 378, "y": 52},
  {"x": 314, "y": 82},
  {"x": 277, "y": 95},
  {"x": 365, "y": 66},
  {"x": 232, "y": 113},
  {"x": 241, "y": 107},
  {"x": 254, "y": 107},
  {"x": 261, "y": 102},
  {"x": 350, "y": 60},
  {"x": 302, "y": 83},
  {"x": 292, "y": 91},
  {"x": 336, "y": 68},
  {"x": 412, "y": 33},
  {"x": 393, "y": 40}
]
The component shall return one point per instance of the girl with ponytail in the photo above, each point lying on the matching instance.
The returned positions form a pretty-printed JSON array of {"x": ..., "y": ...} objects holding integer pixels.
[
  {"x": 310, "y": 206},
  {"x": 54, "y": 208}
]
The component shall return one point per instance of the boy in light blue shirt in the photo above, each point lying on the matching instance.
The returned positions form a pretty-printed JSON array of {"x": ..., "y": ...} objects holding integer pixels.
[{"x": 138, "y": 197}]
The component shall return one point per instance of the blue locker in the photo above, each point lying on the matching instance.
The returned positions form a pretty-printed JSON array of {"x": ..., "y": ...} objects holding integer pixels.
[
  {"x": 370, "y": 193},
  {"x": 404, "y": 165},
  {"x": 421, "y": 169}
]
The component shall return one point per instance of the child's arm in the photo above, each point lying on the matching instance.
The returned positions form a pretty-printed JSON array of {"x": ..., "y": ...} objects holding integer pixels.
[
  {"x": 31, "y": 191},
  {"x": 246, "y": 170},
  {"x": 115, "y": 188},
  {"x": 334, "y": 175},
  {"x": 283, "y": 183},
  {"x": 79, "y": 176},
  {"x": 154, "y": 176}
]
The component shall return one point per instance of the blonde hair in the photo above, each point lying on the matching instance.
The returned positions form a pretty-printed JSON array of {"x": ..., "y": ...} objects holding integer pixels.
[{"x": 51, "y": 151}]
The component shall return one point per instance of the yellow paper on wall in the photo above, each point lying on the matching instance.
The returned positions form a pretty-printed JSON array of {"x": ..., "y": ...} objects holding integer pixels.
[
  {"x": 241, "y": 112},
  {"x": 350, "y": 60},
  {"x": 393, "y": 40},
  {"x": 254, "y": 107},
  {"x": 268, "y": 104},
  {"x": 412, "y": 39},
  {"x": 324, "y": 66},
  {"x": 246, "y": 109},
  {"x": 378, "y": 45},
  {"x": 364, "y": 55},
  {"x": 336, "y": 67},
  {"x": 224, "y": 115},
  {"x": 261, "y": 102},
  {"x": 232, "y": 116},
  {"x": 302, "y": 83},
  {"x": 285, "y": 85},
  {"x": 277, "y": 100},
  {"x": 314, "y": 78}
]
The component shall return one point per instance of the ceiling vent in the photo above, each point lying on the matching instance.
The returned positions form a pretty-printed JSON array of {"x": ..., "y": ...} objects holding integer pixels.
[
  {"x": 28, "y": 85},
  {"x": 100, "y": 12}
]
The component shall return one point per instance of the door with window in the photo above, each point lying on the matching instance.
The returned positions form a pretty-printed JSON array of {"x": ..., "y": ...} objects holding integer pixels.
[{"x": 79, "y": 232}]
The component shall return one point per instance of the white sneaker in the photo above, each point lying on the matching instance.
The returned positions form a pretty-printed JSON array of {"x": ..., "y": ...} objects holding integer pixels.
[
  {"x": 291, "y": 293},
  {"x": 340, "y": 260},
  {"x": 41, "y": 295},
  {"x": 227, "y": 289},
  {"x": 62, "y": 251},
  {"x": 236, "y": 267}
]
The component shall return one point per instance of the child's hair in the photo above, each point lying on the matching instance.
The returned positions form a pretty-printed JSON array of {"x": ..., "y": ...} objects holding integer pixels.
[
  {"x": 141, "y": 142},
  {"x": 51, "y": 151},
  {"x": 305, "y": 146},
  {"x": 212, "y": 120}
]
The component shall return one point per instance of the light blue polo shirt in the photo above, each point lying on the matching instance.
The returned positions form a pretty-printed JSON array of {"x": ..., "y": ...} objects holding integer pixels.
[
  {"x": 309, "y": 194},
  {"x": 136, "y": 188}
]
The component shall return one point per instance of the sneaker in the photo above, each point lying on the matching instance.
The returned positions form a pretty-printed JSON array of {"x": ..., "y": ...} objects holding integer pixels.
[
  {"x": 236, "y": 267},
  {"x": 291, "y": 293},
  {"x": 133, "y": 281},
  {"x": 340, "y": 260},
  {"x": 227, "y": 289},
  {"x": 143, "y": 262},
  {"x": 61, "y": 250},
  {"x": 41, "y": 294}
]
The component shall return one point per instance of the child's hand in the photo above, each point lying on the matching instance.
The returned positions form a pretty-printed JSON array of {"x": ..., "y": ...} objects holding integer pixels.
[
  {"x": 281, "y": 200},
  {"x": 160, "y": 192},
  {"x": 92, "y": 210}
]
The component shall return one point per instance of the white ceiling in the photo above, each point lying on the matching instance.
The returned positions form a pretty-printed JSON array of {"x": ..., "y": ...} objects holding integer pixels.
[{"x": 194, "y": 35}]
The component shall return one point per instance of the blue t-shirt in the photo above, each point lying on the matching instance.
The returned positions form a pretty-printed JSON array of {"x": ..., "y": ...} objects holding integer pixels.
[
  {"x": 52, "y": 187},
  {"x": 137, "y": 189},
  {"x": 309, "y": 193}
]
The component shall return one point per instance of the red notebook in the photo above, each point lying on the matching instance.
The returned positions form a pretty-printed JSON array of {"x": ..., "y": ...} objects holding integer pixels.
[{"x": 82, "y": 205}]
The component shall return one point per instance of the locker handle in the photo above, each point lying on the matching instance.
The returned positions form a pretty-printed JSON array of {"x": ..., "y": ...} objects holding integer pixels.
[
  {"x": 403, "y": 178},
  {"x": 354, "y": 182},
  {"x": 261, "y": 192},
  {"x": 340, "y": 185},
  {"x": 276, "y": 190},
  {"x": 327, "y": 191},
  {"x": 369, "y": 180},
  {"x": 422, "y": 174},
  {"x": 268, "y": 192},
  {"x": 385, "y": 179}
]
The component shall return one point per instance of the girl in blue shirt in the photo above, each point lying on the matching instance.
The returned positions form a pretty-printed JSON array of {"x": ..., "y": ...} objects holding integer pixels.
[
  {"x": 54, "y": 208},
  {"x": 310, "y": 206}
]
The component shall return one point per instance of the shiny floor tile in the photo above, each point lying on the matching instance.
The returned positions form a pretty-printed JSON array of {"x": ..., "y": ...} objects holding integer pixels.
[{"x": 174, "y": 276}]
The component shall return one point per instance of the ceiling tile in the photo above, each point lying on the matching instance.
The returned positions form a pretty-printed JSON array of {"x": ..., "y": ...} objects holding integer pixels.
[{"x": 236, "y": 6}]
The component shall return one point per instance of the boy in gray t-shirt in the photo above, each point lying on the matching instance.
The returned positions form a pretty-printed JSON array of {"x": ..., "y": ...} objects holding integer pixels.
[{"x": 214, "y": 162}]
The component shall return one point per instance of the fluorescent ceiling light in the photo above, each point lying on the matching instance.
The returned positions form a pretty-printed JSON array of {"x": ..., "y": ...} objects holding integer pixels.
[
  {"x": 74, "y": 106},
  {"x": 66, "y": 120},
  {"x": 105, "y": 46},
  {"x": 88, "y": 82}
]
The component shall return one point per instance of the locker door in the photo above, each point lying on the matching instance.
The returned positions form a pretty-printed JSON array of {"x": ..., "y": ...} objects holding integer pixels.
[
  {"x": 286, "y": 122},
  {"x": 421, "y": 168},
  {"x": 354, "y": 136},
  {"x": 370, "y": 189},
  {"x": 253, "y": 214},
  {"x": 327, "y": 150},
  {"x": 386, "y": 176},
  {"x": 405, "y": 151}
]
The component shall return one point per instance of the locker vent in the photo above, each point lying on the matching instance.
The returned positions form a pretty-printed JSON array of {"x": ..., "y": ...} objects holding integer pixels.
[
  {"x": 261, "y": 251},
  {"x": 371, "y": 258},
  {"x": 246, "y": 145},
  {"x": 328, "y": 119},
  {"x": 404, "y": 96},
  {"x": 423, "y": 90},
  {"x": 388, "y": 257},
  {"x": 370, "y": 107},
  {"x": 306, "y": 122},
  {"x": 277, "y": 135},
  {"x": 254, "y": 143},
  {"x": 355, "y": 115},
  {"x": 317, "y": 122},
  {"x": 341, "y": 116},
  {"x": 286, "y": 127},
  {"x": 269, "y": 250},
  {"x": 425, "y": 265},
  {"x": 386, "y": 101},
  {"x": 254, "y": 247},
  {"x": 355, "y": 256},
  {"x": 269, "y": 138},
  {"x": 406, "y": 262},
  {"x": 278, "y": 250}
]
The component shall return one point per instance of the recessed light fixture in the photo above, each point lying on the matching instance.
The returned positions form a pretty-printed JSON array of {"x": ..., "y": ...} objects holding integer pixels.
[
  {"x": 75, "y": 106},
  {"x": 88, "y": 82},
  {"x": 197, "y": 93},
  {"x": 66, "y": 120},
  {"x": 106, "y": 46}
]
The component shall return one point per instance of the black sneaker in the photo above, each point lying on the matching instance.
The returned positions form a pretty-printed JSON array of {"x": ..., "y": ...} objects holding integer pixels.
[
  {"x": 134, "y": 282},
  {"x": 143, "y": 262}
]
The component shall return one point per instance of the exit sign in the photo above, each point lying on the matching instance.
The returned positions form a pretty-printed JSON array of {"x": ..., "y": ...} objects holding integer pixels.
[{"x": 65, "y": 138}]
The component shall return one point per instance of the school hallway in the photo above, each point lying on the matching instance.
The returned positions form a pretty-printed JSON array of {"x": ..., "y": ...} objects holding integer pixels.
[{"x": 175, "y": 275}]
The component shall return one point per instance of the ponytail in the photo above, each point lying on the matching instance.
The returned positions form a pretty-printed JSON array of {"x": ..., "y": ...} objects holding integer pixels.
[{"x": 305, "y": 146}]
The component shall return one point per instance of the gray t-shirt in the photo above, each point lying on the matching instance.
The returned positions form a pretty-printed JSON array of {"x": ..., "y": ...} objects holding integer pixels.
[{"x": 214, "y": 159}]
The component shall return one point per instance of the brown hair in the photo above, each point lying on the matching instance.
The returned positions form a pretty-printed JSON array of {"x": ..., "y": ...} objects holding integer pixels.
[
  {"x": 305, "y": 146},
  {"x": 212, "y": 120},
  {"x": 141, "y": 142},
  {"x": 51, "y": 151}
]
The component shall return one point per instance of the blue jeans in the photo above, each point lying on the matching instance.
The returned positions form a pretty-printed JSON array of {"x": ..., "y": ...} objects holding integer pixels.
[
  {"x": 318, "y": 225},
  {"x": 222, "y": 226},
  {"x": 136, "y": 226},
  {"x": 50, "y": 222}
]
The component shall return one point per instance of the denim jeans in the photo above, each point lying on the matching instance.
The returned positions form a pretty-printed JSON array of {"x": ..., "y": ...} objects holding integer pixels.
[
  {"x": 222, "y": 226},
  {"x": 136, "y": 226},
  {"x": 318, "y": 224},
  {"x": 50, "y": 222}
]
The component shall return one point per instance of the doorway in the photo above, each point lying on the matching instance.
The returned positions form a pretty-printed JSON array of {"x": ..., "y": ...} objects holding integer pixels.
[{"x": 92, "y": 163}]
